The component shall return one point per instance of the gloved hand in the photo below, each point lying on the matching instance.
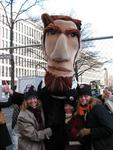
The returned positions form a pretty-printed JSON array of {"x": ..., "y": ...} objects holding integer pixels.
[
  {"x": 83, "y": 132},
  {"x": 48, "y": 132}
]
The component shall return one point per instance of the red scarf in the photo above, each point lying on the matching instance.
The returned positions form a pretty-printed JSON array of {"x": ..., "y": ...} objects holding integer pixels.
[{"x": 82, "y": 110}]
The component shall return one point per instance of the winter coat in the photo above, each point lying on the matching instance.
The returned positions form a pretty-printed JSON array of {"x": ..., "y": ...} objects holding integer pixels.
[
  {"x": 100, "y": 121},
  {"x": 5, "y": 139},
  {"x": 31, "y": 137}
]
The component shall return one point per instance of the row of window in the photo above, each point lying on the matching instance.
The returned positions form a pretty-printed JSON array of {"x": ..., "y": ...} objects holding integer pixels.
[
  {"x": 25, "y": 33},
  {"x": 24, "y": 27},
  {"x": 28, "y": 51},
  {"x": 20, "y": 72},
  {"x": 20, "y": 37},
  {"x": 25, "y": 62},
  {"x": 29, "y": 63}
]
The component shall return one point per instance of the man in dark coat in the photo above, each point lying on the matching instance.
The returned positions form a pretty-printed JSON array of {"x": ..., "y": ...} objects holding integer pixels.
[
  {"x": 61, "y": 42},
  {"x": 101, "y": 128}
]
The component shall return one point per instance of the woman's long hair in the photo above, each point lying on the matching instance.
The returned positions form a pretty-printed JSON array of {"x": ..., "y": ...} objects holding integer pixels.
[
  {"x": 25, "y": 105},
  {"x": 81, "y": 110}
]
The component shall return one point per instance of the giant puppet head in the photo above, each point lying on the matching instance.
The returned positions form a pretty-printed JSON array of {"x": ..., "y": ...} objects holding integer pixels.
[{"x": 61, "y": 42}]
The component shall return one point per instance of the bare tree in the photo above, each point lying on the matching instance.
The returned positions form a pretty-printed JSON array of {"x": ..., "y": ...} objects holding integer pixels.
[
  {"x": 11, "y": 19},
  {"x": 87, "y": 59}
]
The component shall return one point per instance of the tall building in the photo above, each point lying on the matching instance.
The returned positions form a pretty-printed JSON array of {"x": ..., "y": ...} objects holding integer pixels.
[{"x": 28, "y": 61}]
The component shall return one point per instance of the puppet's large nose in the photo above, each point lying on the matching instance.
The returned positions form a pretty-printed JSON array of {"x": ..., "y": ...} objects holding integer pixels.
[{"x": 60, "y": 52}]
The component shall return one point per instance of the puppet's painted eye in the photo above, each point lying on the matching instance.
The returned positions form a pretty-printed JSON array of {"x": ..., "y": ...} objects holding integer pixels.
[
  {"x": 73, "y": 34},
  {"x": 51, "y": 31}
]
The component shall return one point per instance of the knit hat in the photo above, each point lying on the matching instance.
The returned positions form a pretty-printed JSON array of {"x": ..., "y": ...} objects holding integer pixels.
[
  {"x": 30, "y": 92},
  {"x": 84, "y": 89}
]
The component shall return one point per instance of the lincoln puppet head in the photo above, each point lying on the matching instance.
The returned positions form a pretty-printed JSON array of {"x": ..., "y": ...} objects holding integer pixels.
[{"x": 61, "y": 43}]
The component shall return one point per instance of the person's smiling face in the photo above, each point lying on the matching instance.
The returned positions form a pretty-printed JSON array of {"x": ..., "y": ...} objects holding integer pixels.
[
  {"x": 84, "y": 100},
  {"x": 32, "y": 102}
]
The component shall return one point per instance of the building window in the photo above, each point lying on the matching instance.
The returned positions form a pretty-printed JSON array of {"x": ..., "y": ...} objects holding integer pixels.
[
  {"x": 19, "y": 26},
  {"x": 3, "y": 43},
  {"x": 16, "y": 72},
  {"x": 7, "y": 33},
  {"x": 3, "y": 32},
  {"x": 3, "y": 19},
  {"x": 16, "y": 25},
  {"x": 22, "y": 27},
  {"x": 6, "y": 71},
  {"x": 2, "y": 71}
]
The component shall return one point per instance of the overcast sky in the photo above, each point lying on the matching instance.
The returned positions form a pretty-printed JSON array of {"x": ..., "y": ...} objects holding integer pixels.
[{"x": 97, "y": 12}]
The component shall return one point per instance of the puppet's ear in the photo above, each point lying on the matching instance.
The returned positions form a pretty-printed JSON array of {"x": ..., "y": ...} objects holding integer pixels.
[
  {"x": 78, "y": 23},
  {"x": 46, "y": 19}
]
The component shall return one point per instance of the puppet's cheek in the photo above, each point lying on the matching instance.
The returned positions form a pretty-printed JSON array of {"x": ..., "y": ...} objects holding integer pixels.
[{"x": 50, "y": 42}]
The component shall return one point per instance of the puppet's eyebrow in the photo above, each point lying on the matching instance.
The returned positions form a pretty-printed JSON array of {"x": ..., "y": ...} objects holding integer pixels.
[
  {"x": 68, "y": 31},
  {"x": 52, "y": 27},
  {"x": 57, "y": 29}
]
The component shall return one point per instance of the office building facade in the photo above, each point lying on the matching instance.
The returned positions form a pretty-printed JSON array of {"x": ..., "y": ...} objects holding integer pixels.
[{"x": 28, "y": 60}]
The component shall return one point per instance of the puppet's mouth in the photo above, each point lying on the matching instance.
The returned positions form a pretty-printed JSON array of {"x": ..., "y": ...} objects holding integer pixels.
[{"x": 59, "y": 69}]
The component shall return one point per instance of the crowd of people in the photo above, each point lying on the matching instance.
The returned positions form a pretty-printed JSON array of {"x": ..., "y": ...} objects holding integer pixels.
[
  {"x": 91, "y": 125},
  {"x": 88, "y": 122}
]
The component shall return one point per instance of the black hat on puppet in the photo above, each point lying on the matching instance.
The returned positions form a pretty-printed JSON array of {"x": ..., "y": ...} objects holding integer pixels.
[
  {"x": 30, "y": 92},
  {"x": 84, "y": 89}
]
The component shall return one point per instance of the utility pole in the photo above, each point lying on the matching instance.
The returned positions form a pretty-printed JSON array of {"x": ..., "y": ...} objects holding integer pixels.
[
  {"x": 12, "y": 71},
  {"x": 106, "y": 77}
]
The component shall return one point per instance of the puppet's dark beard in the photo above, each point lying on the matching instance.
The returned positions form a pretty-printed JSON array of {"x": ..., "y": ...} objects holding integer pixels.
[{"x": 57, "y": 84}]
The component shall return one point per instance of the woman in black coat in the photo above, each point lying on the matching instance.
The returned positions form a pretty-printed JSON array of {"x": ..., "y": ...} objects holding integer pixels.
[
  {"x": 5, "y": 139},
  {"x": 99, "y": 128}
]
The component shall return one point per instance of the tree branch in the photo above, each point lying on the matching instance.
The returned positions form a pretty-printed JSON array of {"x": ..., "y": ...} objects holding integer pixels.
[
  {"x": 8, "y": 23},
  {"x": 90, "y": 67},
  {"x": 18, "y": 13},
  {"x": 21, "y": 10}
]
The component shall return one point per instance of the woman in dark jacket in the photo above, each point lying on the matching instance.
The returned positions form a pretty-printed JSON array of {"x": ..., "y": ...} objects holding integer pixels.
[
  {"x": 99, "y": 127},
  {"x": 5, "y": 139}
]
